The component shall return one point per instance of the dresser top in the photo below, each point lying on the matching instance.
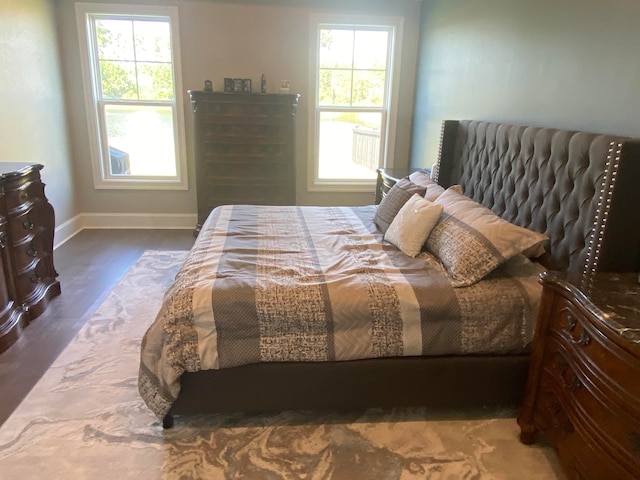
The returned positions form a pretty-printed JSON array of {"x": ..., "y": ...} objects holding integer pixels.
[
  {"x": 10, "y": 169},
  {"x": 614, "y": 298}
]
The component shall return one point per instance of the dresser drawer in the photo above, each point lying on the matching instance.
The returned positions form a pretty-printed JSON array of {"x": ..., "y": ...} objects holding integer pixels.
[
  {"x": 609, "y": 365},
  {"x": 22, "y": 191},
  {"x": 583, "y": 408},
  {"x": 32, "y": 280},
  {"x": 26, "y": 224},
  {"x": 211, "y": 112}
]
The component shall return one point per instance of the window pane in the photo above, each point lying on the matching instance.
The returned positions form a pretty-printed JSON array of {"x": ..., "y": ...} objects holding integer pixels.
[
  {"x": 335, "y": 87},
  {"x": 370, "y": 49},
  {"x": 153, "y": 41},
  {"x": 115, "y": 39},
  {"x": 349, "y": 145},
  {"x": 155, "y": 81},
  {"x": 368, "y": 88},
  {"x": 140, "y": 140},
  {"x": 336, "y": 48},
  {"x": 118, "y": 80}
]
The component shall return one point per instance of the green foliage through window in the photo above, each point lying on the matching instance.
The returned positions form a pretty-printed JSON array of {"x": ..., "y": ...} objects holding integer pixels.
[{"x": 135, "y": 59}]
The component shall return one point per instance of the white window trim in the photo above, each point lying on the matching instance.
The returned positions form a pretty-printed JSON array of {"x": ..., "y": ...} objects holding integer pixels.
[
  {"x": 313, "y": 183},
  {"x": 100, "y": 180}
]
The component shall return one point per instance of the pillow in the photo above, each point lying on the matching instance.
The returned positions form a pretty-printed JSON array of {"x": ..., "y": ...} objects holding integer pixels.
[
  {"x": 471, "y": 241},
  {"x": 412, "y": 225},
  {"x": 433, "y": 189},
  {"x": 421, "y": 178},
  {"x": 393, "y": 201}
]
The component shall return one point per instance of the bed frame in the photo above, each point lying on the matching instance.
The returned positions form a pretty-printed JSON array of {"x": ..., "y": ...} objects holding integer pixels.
[{"x": 581, "y": 189}]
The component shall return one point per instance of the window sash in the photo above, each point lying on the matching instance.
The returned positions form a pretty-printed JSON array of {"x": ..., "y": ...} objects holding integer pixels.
[
  {"x": 388, "y": 109},
  {"x": 86, "y": 15}
]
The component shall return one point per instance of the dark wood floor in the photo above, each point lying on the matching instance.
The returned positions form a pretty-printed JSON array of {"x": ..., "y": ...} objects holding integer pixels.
[{"x": 89, "y": 266}]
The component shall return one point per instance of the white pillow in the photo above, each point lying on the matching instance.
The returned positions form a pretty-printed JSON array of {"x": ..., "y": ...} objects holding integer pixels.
[{"x": 413, "y": 223}]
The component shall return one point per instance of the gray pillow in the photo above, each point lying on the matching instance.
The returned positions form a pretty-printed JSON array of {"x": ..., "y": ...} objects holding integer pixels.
[{"x": 393, "y": 201}]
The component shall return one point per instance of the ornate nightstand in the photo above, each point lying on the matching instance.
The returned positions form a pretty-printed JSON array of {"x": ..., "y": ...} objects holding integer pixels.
[
  {"x": 388, "y": 177},
  {"x": 583, "y": 390}
]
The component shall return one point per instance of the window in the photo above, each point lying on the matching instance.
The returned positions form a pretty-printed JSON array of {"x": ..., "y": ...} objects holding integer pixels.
[
  {"x": 133, "y": 94},
  {"x": 355, "y": 94}
]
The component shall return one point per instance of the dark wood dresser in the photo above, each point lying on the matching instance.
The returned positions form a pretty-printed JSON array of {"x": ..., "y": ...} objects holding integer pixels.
[
  {"x": 27, "y": 223},
  {"x": 583, "y": 390},
  {"x": 244, "y": 149}
]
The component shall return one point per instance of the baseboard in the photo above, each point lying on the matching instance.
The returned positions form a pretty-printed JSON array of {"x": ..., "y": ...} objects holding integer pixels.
[{"x": 169, "y": 221}]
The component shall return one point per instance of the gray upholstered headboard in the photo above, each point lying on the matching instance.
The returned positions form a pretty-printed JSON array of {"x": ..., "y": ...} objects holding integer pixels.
[{"x": 581, "y": 189}]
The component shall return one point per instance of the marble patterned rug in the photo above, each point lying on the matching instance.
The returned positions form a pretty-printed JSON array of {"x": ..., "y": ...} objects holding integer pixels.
[{"x": 85, "y": 420}]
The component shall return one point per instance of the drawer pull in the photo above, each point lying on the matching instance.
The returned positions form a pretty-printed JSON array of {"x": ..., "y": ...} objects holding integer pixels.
[
  {"x": 24, "y": 195},
  {"x": 571, "y": 320},
  {"x": 28, "y": 224},
  {"x": 32, "y": 252},
  {"x": 584, "y": 339},
  {"x": 35, "y": 278},
  {"x": 575, "y": 383}
]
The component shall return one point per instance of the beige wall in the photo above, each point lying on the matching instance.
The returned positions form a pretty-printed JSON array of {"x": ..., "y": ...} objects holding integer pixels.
[
  {"x": 234, "y": 39},
  {"x": 32, "y": 115},
  {"x": 560, "y": 63}
]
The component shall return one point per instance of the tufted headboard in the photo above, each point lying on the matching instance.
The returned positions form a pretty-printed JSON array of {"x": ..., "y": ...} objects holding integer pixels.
[{"x": 581, "y": 189}]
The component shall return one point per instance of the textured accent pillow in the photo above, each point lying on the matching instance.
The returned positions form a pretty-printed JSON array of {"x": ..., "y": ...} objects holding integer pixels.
[
  {"x": 393, "y": 201},
  {"x": 471, "y": 241},
  {"x": 412, "y": 225},
  {"x": 432, "y": 189}
]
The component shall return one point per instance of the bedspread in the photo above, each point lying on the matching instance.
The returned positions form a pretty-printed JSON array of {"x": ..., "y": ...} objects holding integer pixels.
[{"x": 276, "y": 284}]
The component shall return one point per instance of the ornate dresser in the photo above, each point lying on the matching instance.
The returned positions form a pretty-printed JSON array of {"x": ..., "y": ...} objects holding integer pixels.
[
  {"x": 244, "y": 149},
  {"x": 27, "y": 222},
  {"x": 583, "y": 390}
]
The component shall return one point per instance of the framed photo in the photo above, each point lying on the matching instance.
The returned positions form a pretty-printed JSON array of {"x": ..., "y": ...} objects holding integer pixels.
[
  {"x": 246, "y": 85},
  {"x": 238, "y": 85},
  {"x": 208, "y": 86},
  {"x": 228, "y": 84}
]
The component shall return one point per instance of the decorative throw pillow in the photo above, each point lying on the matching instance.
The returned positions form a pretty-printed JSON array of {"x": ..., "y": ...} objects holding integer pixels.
[
  {"x": 412, "y": 225},
  {"x": 432, "y": 189},
  {"x": 471, "y": 241},
  {"x": 393, "y": 201}
]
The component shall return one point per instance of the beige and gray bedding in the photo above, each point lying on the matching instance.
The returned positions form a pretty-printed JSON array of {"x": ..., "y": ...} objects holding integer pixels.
[{"x": 278, "y": 284}]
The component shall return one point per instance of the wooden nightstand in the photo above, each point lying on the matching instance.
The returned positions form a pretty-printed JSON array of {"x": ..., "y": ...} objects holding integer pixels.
[
  {"x": 388, "y": 177},
  {"x": 583, "y": 390}
]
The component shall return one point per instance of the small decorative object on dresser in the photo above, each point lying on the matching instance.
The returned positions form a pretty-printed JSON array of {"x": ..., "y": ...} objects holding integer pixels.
[
  {"x": 208, "y": 86},
  {"x": 27, "y": 276},
  {"x": 583, "y": 391},
  {"x": 246, "y": 85},
  {"x": 228, "y": 85}
]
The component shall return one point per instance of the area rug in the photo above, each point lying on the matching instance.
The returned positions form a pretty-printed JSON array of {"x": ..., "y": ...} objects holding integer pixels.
[{"x": 85, "y": 420}]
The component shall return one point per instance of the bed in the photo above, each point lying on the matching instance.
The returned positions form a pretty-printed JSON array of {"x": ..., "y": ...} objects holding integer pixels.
[{"x": 573, "y": 193}]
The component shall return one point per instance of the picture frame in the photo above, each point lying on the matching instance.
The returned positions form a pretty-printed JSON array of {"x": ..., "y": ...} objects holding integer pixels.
[
  {"x": 208, "y": 86},
  {"x": 238, "y": 85},
  {"x": 246, "y": 85},
  {"x": 228, "y": 84}
]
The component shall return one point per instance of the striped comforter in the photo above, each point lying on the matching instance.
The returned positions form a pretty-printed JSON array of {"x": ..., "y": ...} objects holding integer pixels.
[{"x": 276, "y": 284}]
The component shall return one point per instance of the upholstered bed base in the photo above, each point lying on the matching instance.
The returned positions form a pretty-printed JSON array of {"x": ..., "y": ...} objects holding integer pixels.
[
  {"x": 437, "y": 382},
  {"x": 580, "y": 189}
]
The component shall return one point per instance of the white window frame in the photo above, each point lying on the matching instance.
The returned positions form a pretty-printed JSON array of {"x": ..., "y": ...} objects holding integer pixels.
[
  {"x": 389, "y": 117},
  {"x": 102, "y": 178}
]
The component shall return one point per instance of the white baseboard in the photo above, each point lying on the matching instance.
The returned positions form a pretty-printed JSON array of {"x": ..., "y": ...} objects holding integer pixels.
[{"x": 169, "y": 221}]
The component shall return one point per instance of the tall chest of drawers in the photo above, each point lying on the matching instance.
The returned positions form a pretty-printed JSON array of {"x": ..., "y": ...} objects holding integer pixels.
[
  {"x": 244, "y": 149},
  {"x": 27, "y": 223},
  {"x": 583, "y": 391}
]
